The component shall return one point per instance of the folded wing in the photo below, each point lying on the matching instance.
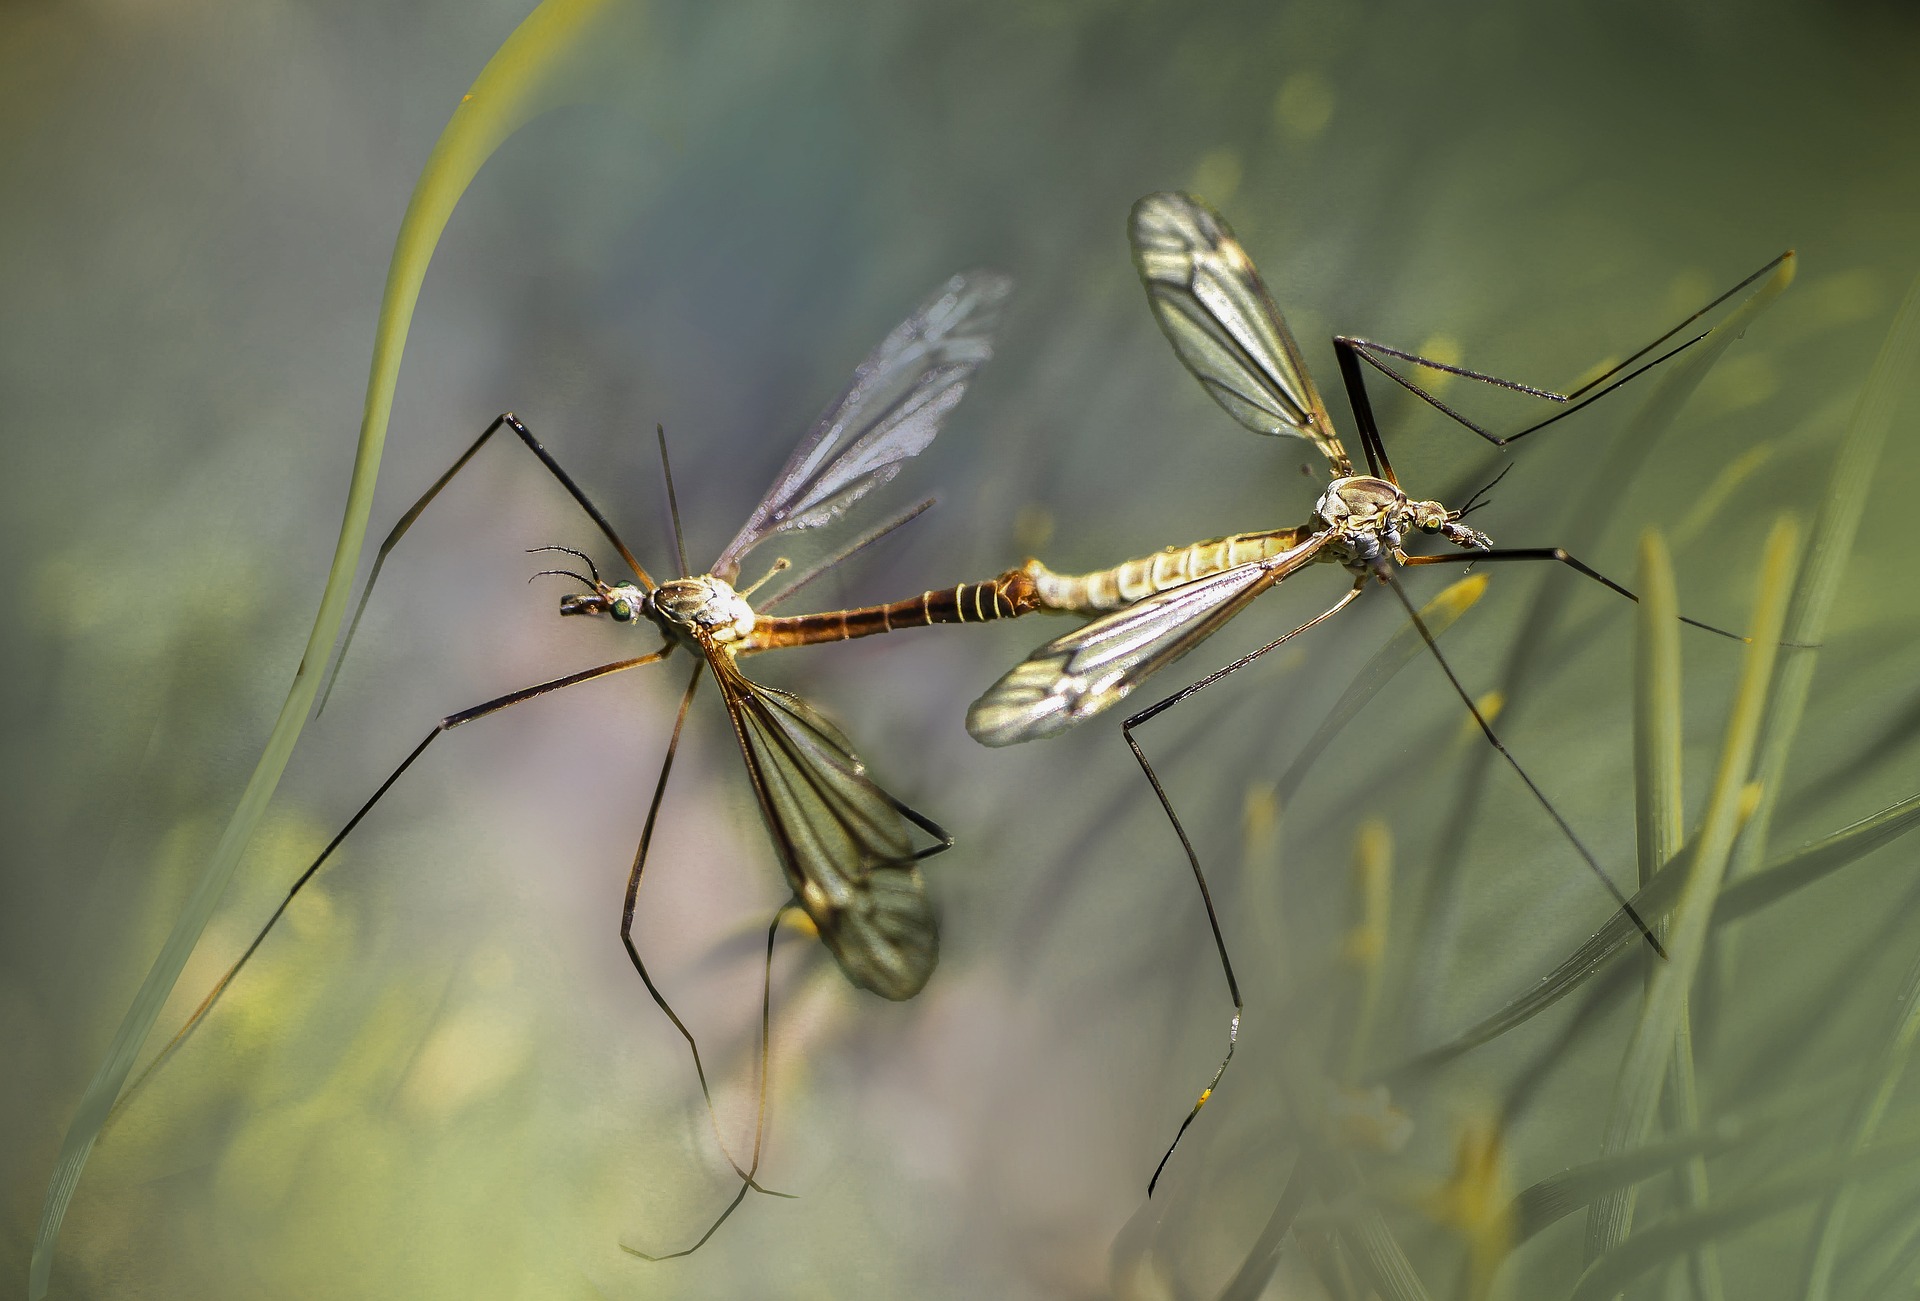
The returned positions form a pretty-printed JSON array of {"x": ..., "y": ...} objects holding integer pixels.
[
  {"x": 1074, "y": 677},
  {"x": 1210, "y": 302},
  {"x": 845, "y": 846}
]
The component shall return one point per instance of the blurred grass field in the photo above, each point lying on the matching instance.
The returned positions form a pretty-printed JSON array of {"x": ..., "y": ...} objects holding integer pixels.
[{"x": 443, "y": 1080}]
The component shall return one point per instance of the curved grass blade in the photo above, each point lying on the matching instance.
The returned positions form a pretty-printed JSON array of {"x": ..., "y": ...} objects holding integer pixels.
[
  {"x": 1803, "y": 867},
  {"x": 1829, "y": 547},
  {"x": 1400, "y": 650},
  {"x": 1382, "y": 1259},
  {"x": 1657, "y": 787},
  {"x": 1560, "y": 1195},
  {"x": 522, "y": 80},
  {"x": 1249, "y": 1282},
  {"x": 1824, "y": 1251},
  {"x": 1901, "y": 1266},
  {"x": 1813, "y": 862},
  {"x": 1643, "y": 1071},
  {"x": 1680, "y": 1234},
  {"x": 1660, "y": 813},
  {"x": 1828, "y": 551}
]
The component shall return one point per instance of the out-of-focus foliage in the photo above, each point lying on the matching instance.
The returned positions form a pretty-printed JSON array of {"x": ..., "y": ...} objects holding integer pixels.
[{"x": 442, "y": 1078}]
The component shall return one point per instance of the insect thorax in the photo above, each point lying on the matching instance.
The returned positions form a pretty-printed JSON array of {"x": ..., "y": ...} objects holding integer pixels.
[
  {"x": 1367, "y": 517},
  {"x": 683, "y": 605},
  {"x": 1370, "y": 517}
]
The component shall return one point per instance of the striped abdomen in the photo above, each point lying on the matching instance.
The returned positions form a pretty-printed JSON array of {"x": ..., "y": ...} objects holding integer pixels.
[
  {"x": 1135, "y": 580},
  {"x": 1006, "y": 597}
]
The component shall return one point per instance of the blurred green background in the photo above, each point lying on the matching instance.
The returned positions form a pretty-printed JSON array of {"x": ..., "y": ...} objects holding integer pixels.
[{"x": 442, "y": 1078}]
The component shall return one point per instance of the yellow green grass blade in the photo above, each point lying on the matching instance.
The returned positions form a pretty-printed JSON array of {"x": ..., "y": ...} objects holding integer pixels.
[
  {"x": 1644, "y": 1069},
  {"x": 1657, "y": 787},
  {"x": 1868, "y": 1113},
  {"x": 530, "y": 73},
  {"x": 1660, "y": 812},
  {"x": 1829, "y": 547},
  {"x": 1560, "y": 1195},
  {"x": 1381, "y": 1258},
  {"x": 1779, "y": 880},
  {"x": 1816, "y": 861},
  {"x": 1677, "y": 1235}
]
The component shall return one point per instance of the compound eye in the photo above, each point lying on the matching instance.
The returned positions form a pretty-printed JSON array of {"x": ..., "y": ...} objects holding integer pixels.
[{"x": 621, "y": 609}]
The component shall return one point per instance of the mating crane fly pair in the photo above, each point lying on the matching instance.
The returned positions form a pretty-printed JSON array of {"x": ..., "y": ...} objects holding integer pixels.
[{"x": 844, "y": 843}]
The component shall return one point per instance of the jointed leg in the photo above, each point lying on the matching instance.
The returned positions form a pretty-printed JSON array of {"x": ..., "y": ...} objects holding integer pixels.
[
  {"x": 1193, "y": 859},
  {"x": 446, "y": 724},
  {"x": 1352, "y": 350},
  {"x": 510, "y": 421},
  {"x": 632, "y": 898},
  {"x": 1566, "y": 828},
  {"x": 1549, "y": 553},
  {"x": 760, "y": 1118}
]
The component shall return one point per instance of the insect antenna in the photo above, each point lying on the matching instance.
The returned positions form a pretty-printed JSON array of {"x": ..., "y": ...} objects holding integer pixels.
[
  {"x": 1566, "y": 828},
  {"x": 1480, "y": 497},
  {"x": 857, "y": 545},
  {"x": 564, "y": 573},
  {"x": 673, "y": 503},
  {"x": 571, "y": 551}
]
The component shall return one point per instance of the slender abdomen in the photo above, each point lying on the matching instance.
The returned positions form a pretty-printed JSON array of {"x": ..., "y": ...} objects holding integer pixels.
[
  {"x": 1135, "y": 580},
  {"x": 1006, "y": 597}
]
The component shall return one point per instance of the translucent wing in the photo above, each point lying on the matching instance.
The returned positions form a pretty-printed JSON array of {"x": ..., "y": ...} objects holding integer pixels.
[
  {"x": 1215, "y": 311},
  {"x": 1074, "y": 677},
  {"x": 844, "y": 843},
  {"x": 891, "y": 411}
]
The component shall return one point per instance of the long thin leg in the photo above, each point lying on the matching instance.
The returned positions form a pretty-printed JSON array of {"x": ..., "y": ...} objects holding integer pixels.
[
  {"x": 1348, "y": 355},
  {"x": 626, "y": 923},
  {"x": 445, "y": 725},
  {"x": 632, "y": 899},
  {"x": 1351, "y": 350},
  {"x": 1566, "y": 828},
  {"x": 508, "y": 420},
  {"x": 1193, "y": 859},
  {"x": 1550, "y": 553},
  {"x": 760, "y": 1119}
]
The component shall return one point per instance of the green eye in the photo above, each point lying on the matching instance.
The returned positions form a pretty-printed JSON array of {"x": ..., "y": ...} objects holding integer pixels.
[{"x": 621, "y": 610}]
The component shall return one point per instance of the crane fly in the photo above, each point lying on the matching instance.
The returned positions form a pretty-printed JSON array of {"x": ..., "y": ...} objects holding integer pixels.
[
  {"x": 1214, "y": 309},
  {"x": 845, "y": 844}
]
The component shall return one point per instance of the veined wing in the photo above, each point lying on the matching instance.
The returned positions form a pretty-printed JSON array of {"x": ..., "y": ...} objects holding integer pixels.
[
  {"x": 1211, "y": 304},
  {"x": 843, "y": 842},
  {"x": 1074, "y": 677},
  {"x": 891, "y": 411}
]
